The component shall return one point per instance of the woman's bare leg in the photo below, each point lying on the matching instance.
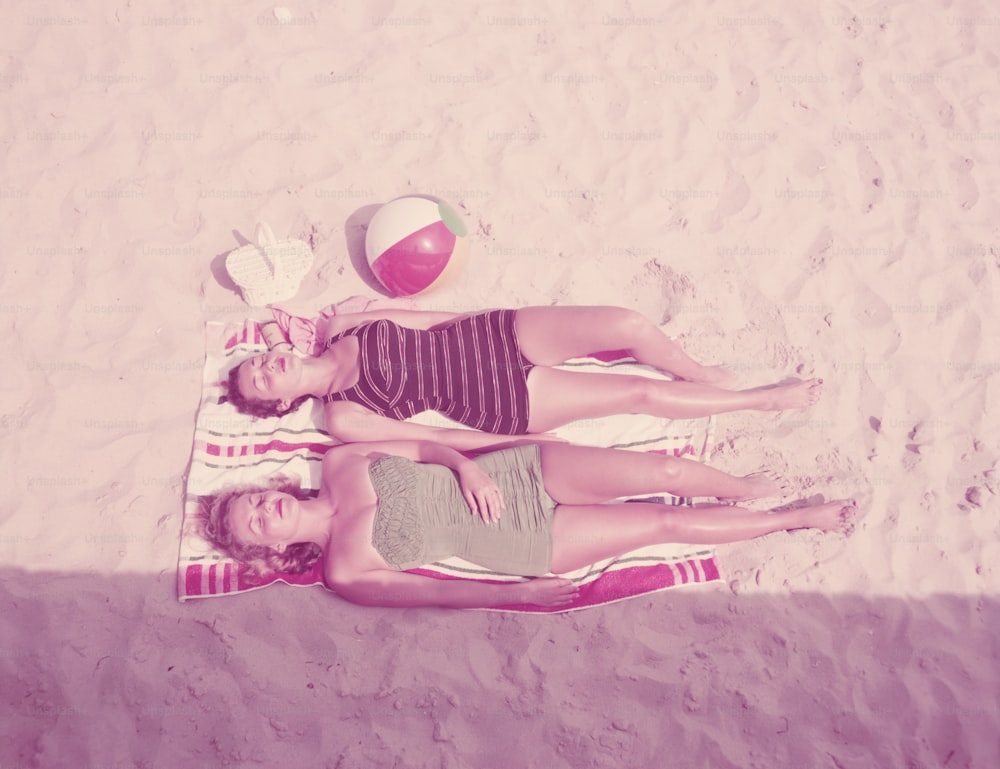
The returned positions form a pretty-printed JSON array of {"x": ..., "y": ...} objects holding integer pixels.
[
  {"x": 551, "y": 335},
  {"x": 586, "y": 475},
  {"x": 557, "y": 397},
  {"x": 585, "y": 534}
]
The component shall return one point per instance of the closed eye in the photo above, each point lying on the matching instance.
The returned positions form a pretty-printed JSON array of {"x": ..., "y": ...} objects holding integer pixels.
[{"x": 255, "y": 519}]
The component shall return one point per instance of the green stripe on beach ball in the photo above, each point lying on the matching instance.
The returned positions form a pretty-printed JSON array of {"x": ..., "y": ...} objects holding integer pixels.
[{"x": 451, "y": 220}]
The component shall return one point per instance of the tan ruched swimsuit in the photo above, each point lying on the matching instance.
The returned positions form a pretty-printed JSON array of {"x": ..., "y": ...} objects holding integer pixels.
[{"x": 422, "y": 516}]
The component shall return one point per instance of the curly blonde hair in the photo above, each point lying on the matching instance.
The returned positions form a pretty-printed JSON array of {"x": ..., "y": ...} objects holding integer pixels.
[{"x": 257, "y": 561}]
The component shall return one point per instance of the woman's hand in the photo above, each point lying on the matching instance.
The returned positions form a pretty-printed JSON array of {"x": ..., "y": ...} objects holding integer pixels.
[
  {"x": 480, "y": 492},
  {"x": 550, "y": 591}
]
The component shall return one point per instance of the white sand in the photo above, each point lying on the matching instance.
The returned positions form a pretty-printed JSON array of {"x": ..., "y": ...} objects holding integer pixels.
[{"x": 804, "y": 192}]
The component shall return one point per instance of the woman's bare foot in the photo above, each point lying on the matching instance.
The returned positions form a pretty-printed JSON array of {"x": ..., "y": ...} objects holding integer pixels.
[
  {"x": 796, "y": 395},
  {"x": 831, "y": 516},
  {"x": 760, "y": 485}
]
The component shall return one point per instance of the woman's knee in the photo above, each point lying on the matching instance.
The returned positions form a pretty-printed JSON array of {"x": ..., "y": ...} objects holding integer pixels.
[
  {"x": 640, "y": 394},
  {"x": 630, "y": 324},
  {"x": 671, "y": 524},
  {"x": 673, "y": 470}
]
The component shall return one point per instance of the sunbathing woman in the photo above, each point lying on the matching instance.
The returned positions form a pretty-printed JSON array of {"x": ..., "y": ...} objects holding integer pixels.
[
  {"x": 492, "y": 371},
  {"x": 530, "y": 510}
]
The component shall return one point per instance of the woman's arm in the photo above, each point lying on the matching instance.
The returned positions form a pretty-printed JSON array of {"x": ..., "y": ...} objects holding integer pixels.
[
  {"x": 383, "y": 587},
  {"x": 419, "y": 451},
  {"x": 351, "y": 422}
]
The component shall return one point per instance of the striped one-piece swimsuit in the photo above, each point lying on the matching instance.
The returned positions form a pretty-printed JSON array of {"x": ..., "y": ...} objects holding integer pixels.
[{"x": 471, "y": 371}]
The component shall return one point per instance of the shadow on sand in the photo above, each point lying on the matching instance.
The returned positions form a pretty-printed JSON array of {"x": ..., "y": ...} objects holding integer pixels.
[{"x": 100, "y": 671}]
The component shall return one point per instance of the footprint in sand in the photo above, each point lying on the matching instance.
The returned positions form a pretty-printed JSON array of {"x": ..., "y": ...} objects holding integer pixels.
[
  {"x": 817, "y": 252},
  {"x": 966, "y": 189},
  {"x": 870, "y": 311},
  {"x": 734, "y": 197},
  {"x": 747, "y": 90},
  {"x": 966, "y": 355},
  {"x": 976, "y": 272},
  {"x": 925, "y": 92},
  {"x": 810, "y": 162},
  {"x": 848, "y": 72},
  {"x": 910, "y": 216},
  {"x": 814, "y": 260},
  {"x": 870, "y": 175}
]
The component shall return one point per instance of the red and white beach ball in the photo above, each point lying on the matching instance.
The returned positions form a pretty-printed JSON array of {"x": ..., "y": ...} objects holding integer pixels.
[{"x": 415, "y": 243}]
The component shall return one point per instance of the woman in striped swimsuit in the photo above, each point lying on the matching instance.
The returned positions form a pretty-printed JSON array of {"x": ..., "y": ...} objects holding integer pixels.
[{"x": 492, "y": 371}]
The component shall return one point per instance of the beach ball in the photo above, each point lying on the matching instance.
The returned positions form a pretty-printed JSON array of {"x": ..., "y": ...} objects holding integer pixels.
[{"x": 415, "y": 243}]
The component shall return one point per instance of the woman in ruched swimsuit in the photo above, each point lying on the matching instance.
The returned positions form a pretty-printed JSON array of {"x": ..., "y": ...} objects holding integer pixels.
[
  {"x": 492, "y": 371},
  {"x": 530, "y": 510}
]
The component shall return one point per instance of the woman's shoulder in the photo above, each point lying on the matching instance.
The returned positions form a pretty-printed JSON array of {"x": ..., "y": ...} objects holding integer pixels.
[
  {"x": 338, "y": 565},
  {"x": 342, "y": 456},
  {"x": 349, "y": 553},
  {"x": 362, "y": 457},
  {"x": 340, "y": 569}
]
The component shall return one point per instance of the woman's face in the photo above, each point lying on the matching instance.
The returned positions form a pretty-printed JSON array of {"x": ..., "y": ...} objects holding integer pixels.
[
  {"x": 268, "y": 518},
  {"x": 273, "y": 376}
]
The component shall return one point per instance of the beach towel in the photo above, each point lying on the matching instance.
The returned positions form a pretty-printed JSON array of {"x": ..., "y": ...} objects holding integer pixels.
[{"x": 231, "y": 448}]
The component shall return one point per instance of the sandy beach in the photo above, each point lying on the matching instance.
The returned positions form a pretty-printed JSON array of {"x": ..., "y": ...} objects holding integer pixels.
[{"x": 793, "y": 191}]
